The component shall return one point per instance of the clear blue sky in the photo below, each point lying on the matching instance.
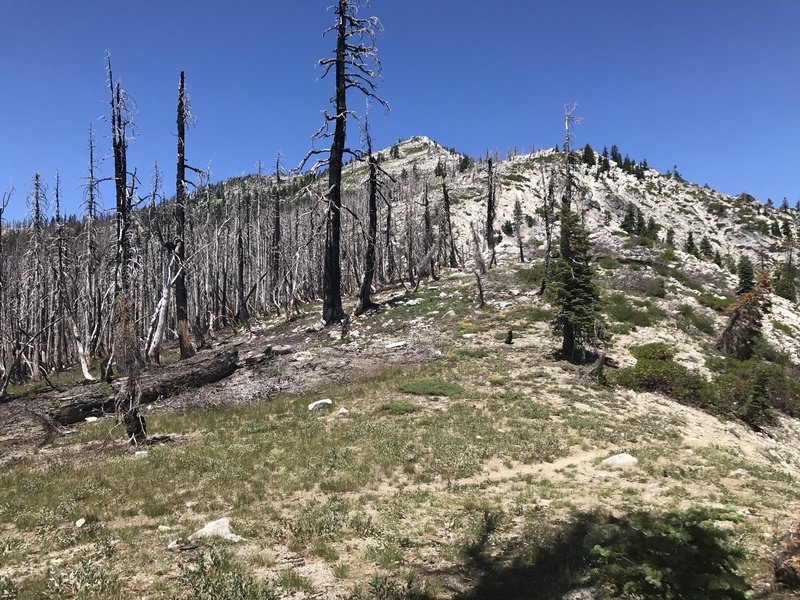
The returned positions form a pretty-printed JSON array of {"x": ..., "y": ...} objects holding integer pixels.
[{"x": 710, "y": 85}]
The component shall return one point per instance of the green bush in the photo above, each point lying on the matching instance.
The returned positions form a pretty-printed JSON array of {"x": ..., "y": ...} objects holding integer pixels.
[
  {"x": 715, "y": 302},
  {"x": 608, "y": 262},
  {"x": 656, "y": 287},
  {"x": 620, "y": 309},
  {"x": 398, "y": 407},
  {"x": 654, "y": 351},
  {"x": 679, "y": 555},
  {"x": 666, "y": 377},
  {"x": 690, "y": 318},
  {"x": 751, "y": 389},
  {"x": 213, "y": 579}
]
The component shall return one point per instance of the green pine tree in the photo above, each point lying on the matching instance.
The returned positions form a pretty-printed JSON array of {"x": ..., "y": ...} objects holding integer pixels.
[
  {"x": 670, "y": 241},
  {"x": 573, "y": 291},
  {"x": 785, "y": 284},
  {"x": 747, "y": 274},
  {"x": 588, "y": 155},
  {"x": 629, "y": 222},
  {"x": 689, "y": 247},
  {"x": 706, "y": 251}
]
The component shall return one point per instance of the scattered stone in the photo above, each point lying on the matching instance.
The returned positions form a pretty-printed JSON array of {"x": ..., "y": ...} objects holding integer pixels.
[
  {"x": 415, "y": 302},
  {"x": 281, "y": 350},
  {"x": 164, "y": 528},
  {"x": 335, "y": 335},
  {"x": 302, "y": 356},
  {"x": 342, "y": 411},
  {"x": 320, "y": 404},
  {"x": 621, "y": 460},
  {"x": 191, "y": 504},
  {"x": 318, "y": 326},
  {"x": 450, "y": 313},
  {"x": 355, "y": 334},
  {"x": 220, "y": 528},
  {"x": 182, "y": 545},
  {"x": 91, "y": 419},
  {"x": 739, "y": 474},
  {"x": 505, "y": 304},
  {"x": 514, "y": 292},
  {"x": 395, "y": 345},
  {"x": 141, "y": 454},
  {"x": 80, "y": 523},
  {"x": 469, "y": 336}
]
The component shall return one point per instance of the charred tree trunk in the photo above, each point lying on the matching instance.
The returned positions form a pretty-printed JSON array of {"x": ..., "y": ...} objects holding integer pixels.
[
  {"x": 332, "y": 311},
  {"x": 453, "y": 261},
  {"x": 490, "y": 214},
  {"x": 181, "y": 296},
  {"x": 364, "y": 301},
  {"x": 126, "y": 351}
]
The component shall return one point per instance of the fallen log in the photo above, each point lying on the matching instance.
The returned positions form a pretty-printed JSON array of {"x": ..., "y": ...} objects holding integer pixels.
[{"x": 161, "y": 382}]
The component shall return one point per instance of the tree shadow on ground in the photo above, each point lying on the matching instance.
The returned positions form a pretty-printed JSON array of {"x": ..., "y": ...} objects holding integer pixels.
[
  {"x": 678, "y": 554},
  {"x": 543, "y": 565}
]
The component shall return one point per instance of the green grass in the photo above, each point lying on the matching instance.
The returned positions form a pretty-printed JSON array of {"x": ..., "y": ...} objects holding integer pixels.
[{"x": 431, "y": 387}]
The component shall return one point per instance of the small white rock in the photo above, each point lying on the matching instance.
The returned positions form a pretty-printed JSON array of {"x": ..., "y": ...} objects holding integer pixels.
[
  {"x": 164, "y": 528},
  {"x": 80, "y": 523},
  {"x": 220, "y": 528},
  {"x": 91, "y": 419},
  {"x": 342, "y": 411},
  {"x": 469, "y": 336},
  {"x": 320, "y": 404},
  {"x": 394, "y": 345},
  {"x": 141, "y": 454},
  {"x": 450, "y": 313},
  {"x": 415, "y": 302},
  {"x": 621, "y": 460}
]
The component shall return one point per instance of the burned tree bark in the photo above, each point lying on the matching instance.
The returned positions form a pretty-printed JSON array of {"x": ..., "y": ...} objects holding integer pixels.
[
  {"x": 490, "y": 214},
  {"x": 355, "y": 64},
  {"x": 152, "y": 385},
  {"x": 364, "y": 301},
  {"x": 181, "y": 296},
  {"x": 126, "y": 349}
]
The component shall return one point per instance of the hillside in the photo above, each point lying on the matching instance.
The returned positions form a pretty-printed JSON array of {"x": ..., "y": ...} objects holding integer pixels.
[{"x": 448, "y": 463}]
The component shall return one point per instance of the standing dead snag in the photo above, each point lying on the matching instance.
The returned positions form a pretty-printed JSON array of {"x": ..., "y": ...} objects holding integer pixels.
[
  {"x": 364, "y": 301},
  {"x": 126, "y": 345},
  {"x": 490, "y": 214},
  {"x": 356, "y": 65},
  {"x": 518, "y": 228},
  {"x": 181, "y": 302}
]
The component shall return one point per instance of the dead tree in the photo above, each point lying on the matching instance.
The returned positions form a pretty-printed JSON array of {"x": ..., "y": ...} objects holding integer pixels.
[
  {"x": 453, "y": 261},
  {"x": 490, "y": 214},
  {"x": 126, "y": 349},
  {"x": 181, "y": 297},
  {"x": 518, "y": 228},
  {"x": 4, "y": 325},
  {"x": 276, "y": 226},
  {"x": 356, "y": 66},
  {"x": 364, "y": 301}
]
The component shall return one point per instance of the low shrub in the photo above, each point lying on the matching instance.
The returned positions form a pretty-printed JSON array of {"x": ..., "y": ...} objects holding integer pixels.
[
  {"x": 620, "y": 309},
  {"x": 213, "y": 579},
  {"x": 715, "y": 302},
  {"x": 681, "y": 554}
]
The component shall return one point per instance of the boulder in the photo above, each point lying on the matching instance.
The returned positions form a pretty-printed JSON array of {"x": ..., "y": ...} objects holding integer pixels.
[
  {"x": 621, "y": 460},
  {"x": 220, "y": 528},
  {"x": 320, "y": 404}
]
